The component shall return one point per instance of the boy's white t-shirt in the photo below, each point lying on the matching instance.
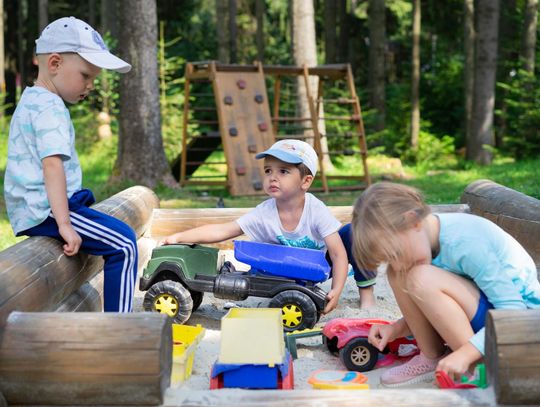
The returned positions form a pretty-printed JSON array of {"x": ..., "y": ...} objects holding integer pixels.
[
  {"x": 262, "y": 224},
  {"x": 41, "y": 127}
]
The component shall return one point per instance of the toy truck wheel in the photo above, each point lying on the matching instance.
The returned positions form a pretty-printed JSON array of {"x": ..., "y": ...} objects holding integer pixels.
[
  {"x": 197, "y": 297},
  {"x": 171, "y": 298},
  {"x": 359, "y": 355},
  {"x": 297, "y": 309}
]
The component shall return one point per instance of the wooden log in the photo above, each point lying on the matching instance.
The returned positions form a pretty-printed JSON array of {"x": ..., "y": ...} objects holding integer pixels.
[
  {"x": 342, "y": 398},
  {"x": 513, "y": 355},
  {"x": 89, "y": 296},
  {"x": 35, "y": 275},
  {"x": 85, "y": 358},
  {"x": 516, "y": 213},
  {"x": 168, "y": 221}
]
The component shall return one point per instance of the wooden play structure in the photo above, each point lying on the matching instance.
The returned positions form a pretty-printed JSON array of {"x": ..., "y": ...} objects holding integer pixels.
[
  {"x": 49, "y": 357},
  {"x": 229, "y": 106}
]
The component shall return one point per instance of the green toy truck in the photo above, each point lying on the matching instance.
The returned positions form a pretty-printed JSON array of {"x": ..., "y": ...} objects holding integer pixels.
[{"x": 177, "y": 276}]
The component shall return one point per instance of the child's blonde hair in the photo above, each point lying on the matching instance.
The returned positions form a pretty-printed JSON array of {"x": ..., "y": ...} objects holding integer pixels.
[{"x": 380, "y": 213}]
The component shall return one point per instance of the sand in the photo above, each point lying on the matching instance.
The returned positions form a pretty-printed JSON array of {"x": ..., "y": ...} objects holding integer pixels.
[{"x": 312, "y": 353}]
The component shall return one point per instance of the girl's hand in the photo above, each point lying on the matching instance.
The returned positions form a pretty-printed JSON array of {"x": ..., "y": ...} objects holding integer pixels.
[
  {"x": 380, "y": 335},
  {"x": 457, "y": 363}
]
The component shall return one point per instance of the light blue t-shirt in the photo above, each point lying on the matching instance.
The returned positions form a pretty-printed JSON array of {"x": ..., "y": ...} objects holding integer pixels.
[
  {"x": 41, "y": 127},
  {"x": 474, "y": 247}
]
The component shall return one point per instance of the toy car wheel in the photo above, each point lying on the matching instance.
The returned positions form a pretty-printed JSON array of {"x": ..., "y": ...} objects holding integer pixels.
[
  {"x": 331, "y": 344},
  {"x": 171, "y": 298},
  {"x": 297, "y": 309},
  {"x": 197, "y": 297},
  {"x": 359, "y": 355}
]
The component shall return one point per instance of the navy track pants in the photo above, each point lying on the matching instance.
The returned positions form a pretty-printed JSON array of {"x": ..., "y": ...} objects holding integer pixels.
[{"x": 102, "y": 235}]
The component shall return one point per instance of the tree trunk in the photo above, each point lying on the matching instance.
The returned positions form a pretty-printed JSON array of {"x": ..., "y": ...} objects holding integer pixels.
[
  {"x": 259, "y": 12},
  {"x": 377, "y": 46},
  {"x": 43, "y": 14},
  {"x": 141, "y": 157},
  {"x": 109, "y": 12},
  {"x": 343, "y": 16},
  {"x": 222, "y": 31},
  {"x": 305, "y": 53},
  {"x": 529, "y": 35},
  {"x": 468, "y": 40},
  {"x": 485, "y": 68},
  {"x": 415, "y": 76},
  {"x": 2, "y": 61},
  {"x": 232, "y": 30},
  {"x": 92, "y": 12},
  {"x": 330, "y": 31}
]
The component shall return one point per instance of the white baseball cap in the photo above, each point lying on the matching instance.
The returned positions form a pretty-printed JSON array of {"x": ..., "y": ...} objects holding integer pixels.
[
  {"x": 69, "y": 34},
  {"x": 293, "y": 152}
]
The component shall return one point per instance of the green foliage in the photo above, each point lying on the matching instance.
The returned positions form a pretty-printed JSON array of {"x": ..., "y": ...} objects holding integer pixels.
[
  {"x": 432, "y": 151},
  {"x": 522, "y": 115}
]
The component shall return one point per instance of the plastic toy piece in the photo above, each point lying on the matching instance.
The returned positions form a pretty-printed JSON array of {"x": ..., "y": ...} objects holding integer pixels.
[
  {"x": 185, "y": 340},
  {"x": 291, "y": 337},
  {"x": 347, "y": 337},
  {"x": 233, "y": 131},
  {"x": 478, "y": 380},
  {"x": 338, "y": 380},
  {"x": 241, "y": 84},
  {"x": 262, "y": 126},
  {"x": 228, "y": 100},
  {"x": 259, "y": 98}
]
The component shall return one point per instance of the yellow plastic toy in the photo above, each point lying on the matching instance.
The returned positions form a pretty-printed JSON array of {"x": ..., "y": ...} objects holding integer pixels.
[
  {"x": 185, "y": 341},
  {"x": 338, "y": 380},
  {"x": 252, "y": 336}
]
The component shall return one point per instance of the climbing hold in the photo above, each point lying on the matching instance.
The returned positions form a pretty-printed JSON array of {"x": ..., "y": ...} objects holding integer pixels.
[
  {"x": 240, "y": 170},
  {"x": 259, "y": 99},
  {"x": 233, "y": 131},
  {"x": 262, "y": 126},
  {"x": 228, "y": 100},
  {"x": 241, "y": 83},
  {"x": 252, "y": 148},
  {"x": 257, "y": 185}
]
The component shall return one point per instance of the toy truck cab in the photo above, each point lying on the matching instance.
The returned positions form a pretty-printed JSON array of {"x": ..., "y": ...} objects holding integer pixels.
[{"x": 177, "y": 276}]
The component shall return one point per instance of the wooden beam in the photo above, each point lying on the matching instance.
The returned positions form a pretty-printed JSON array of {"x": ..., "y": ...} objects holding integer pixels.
[
  {"x": 516, "y": 213},
  {"x": 342, "y": 398},
  {"x": 35, "y": 275},
  {"x": 168, "y": 221},
  {"x": 513, "y": 355},
  {"x": 85, "y": 358}
]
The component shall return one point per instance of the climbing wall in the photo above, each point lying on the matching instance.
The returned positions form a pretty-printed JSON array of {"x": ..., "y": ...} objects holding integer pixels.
[{"x": 245, "y": 126}]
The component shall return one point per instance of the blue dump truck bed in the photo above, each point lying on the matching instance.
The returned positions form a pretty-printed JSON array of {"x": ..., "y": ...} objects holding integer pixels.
[{"x": 284, "y": 261}]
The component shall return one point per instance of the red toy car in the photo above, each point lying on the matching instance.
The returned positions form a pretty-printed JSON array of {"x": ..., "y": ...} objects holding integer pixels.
[{"x": 348, "y": 337}]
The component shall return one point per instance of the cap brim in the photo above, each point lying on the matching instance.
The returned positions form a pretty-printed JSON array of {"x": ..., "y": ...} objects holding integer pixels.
[
  {"x": 106, "y": 60},
  {"x": 280, "y": 155}
]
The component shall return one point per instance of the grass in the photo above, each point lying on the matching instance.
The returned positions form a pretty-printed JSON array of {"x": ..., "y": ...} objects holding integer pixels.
[{"x": 442, "y": 185}]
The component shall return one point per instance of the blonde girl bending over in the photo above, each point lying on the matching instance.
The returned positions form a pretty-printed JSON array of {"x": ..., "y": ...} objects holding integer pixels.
[{"x": 446, "y": 271}]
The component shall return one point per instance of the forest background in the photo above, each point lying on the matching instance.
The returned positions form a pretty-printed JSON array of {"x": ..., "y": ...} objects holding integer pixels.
[{"x": 449, "y": 89}]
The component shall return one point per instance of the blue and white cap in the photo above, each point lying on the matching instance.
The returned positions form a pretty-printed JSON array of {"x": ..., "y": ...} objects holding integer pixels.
[
  {"x": 293, "y": 152},
  {"x": 69, "y": 34}
]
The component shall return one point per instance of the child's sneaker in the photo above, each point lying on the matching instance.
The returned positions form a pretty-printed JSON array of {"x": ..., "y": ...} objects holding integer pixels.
[{"x": 417, "y": 370}]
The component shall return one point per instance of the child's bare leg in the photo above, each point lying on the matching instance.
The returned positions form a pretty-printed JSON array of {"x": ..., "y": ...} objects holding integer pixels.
[
  {"x": 367, "y": 298},
  {"x": 429, "y": 341},
  {"x": 448, "y": 302}
]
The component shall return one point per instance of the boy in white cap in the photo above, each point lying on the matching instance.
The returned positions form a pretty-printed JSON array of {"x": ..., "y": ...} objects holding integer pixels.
[
  {"x": 43, "y": 179},
  {"x": 292, "y": 216}
]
